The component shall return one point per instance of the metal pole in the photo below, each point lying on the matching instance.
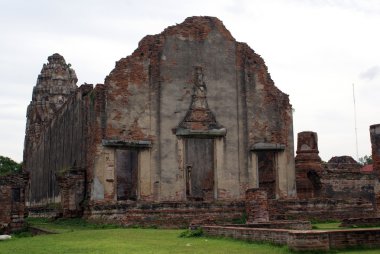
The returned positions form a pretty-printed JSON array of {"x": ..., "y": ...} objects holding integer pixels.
[{"x": 356, "y": 129}]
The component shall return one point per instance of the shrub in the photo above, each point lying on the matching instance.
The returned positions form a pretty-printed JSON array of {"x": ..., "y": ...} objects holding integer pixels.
[{"x": 192, "y": 233}]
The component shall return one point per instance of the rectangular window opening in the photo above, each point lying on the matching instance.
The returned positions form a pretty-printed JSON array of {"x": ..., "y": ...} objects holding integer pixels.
[{"x": 16, "y": 195}]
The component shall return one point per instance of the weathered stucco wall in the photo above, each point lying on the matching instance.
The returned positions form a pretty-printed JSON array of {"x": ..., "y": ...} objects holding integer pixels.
[{"x": 215, "y": 53}]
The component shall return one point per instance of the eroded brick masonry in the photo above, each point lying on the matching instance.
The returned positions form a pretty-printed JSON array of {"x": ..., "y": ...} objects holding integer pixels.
[{"x": 12, "y": 200}]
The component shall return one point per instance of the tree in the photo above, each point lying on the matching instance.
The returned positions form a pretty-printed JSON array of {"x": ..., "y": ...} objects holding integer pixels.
[
  {"x": 365, "y": 160},
  {"x": 7, "y": 166}
]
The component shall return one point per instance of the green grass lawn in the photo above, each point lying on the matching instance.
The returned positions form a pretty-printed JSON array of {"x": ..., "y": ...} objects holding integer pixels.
[
  {"x": 77, "y": 236},
  {"x": 326, "y": 226},
  {"x": 334, "y": 226}
]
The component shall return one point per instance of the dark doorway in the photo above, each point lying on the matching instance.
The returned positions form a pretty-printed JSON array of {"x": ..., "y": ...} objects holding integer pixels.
[
  {"x": 126, "y": 174},
  {"x": 16, "y": 195},
  {"x": 267, "y": 172},
  {"x": 199, "y": 165}
]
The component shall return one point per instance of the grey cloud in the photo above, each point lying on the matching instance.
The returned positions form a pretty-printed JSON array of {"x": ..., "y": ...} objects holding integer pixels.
[{"x": 370, "y": 73}]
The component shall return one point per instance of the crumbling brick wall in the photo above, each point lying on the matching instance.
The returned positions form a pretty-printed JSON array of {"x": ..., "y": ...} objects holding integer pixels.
[
  {"x": 322, "y": 209},
  {"x": 342, "y": 179},
  {"x": 339, "y": 178},
  {"x": 12, "y": 200}
]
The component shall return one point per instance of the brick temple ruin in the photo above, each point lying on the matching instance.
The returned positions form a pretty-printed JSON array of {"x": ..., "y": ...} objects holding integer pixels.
[{"x": 180, "y": 130}]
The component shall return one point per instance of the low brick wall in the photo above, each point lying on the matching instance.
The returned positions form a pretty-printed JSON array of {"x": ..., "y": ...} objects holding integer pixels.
[
  {"x": 340, "y": 239},
  {"x": 276, "y": 236},
  {"x": 320, "y": 209},
  {"x": 281, "y": 224},
  {"x": 308, "y": 240},
  {"x": 165, "y": 214},
  {"x": 301, "y": 240}
]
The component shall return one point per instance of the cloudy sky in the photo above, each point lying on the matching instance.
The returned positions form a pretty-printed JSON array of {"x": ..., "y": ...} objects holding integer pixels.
[{"x": 315, "y": 51}]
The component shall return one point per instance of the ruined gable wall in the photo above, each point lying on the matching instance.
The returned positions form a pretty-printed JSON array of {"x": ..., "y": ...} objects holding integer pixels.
[{"x": 149, "y": 92}]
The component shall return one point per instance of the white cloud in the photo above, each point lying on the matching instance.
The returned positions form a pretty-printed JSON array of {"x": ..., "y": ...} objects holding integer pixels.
[
  {"x": 314, "y": 50},
  {"x": 370, "y": 73}
]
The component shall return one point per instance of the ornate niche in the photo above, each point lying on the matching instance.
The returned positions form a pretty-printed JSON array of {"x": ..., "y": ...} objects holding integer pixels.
[{"x": 200, "y": 139}]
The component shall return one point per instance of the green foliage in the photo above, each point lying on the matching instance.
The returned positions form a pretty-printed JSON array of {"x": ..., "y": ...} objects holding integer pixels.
[
  {"x": 326, "y": 226},
  {"x": 22, "y": 233},
  {"x": 366, "y": 160},
  {"x": 191, "y": 233},
  {"x": 8, "y": 166},
  {"x": 241, "y": 220},
  {"x": 318, "y": 221}
]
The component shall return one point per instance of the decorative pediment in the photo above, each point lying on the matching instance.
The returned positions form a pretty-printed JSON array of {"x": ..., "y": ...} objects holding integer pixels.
[{"x": 199, "y": 119}]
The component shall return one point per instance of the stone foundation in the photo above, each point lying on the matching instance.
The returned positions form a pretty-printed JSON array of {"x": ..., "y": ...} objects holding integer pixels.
[{"x": 165, "y": 215}]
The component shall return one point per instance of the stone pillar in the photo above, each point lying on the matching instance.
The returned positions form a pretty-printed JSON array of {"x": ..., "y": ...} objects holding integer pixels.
[
  {"x": 281, "y": 176},
  {"x": 219, "y": 167},
  {"x": 308, "y": 165},
  {"x": 254, "y": 173},
  {"x": 256, "y": 205},
  {"x": 375, "y": 141},
  {"x": 145, "y": 181}
]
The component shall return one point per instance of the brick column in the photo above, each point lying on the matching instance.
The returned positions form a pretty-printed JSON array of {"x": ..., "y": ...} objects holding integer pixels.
[
  {"x": 72, "y": 187},
  {"x": 374, "y": 131},
  {"x": 256, "y": 205},
  {"x": 308, "y": 165},
  {"x": 375, "y": 141}
]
